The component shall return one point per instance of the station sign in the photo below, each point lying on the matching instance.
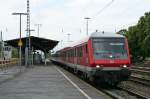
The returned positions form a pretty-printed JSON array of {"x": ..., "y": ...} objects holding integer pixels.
[{"x": 20, "y": 43}]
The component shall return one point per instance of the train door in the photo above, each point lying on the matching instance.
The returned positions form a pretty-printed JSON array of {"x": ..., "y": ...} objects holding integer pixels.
[
  {"x": 78, "y": 60},
  {"x": 75, "y": 55},
  {"x": 79, "y": 55},
  {"x": 85, "y": 55},
  {"x": 67, "y": 56}
]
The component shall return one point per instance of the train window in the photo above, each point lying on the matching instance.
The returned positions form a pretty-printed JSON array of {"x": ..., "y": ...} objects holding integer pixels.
[
  {"x": 106, "y": 48},
  {"x": 71, "y": 53},
  {"x": 67, "y": 54},
  {"x": 80, "y": 51},
  {"x": 86, "y": 48},
  {"x": 75, "y": 52}
]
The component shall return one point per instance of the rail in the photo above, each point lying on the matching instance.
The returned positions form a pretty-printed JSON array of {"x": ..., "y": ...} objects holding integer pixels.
[
  {"x": 145, "y": 82},
  {"x": 143, "y": 72},
  {"x": 141, "y": 68},
  {"x": 133, "y": 92}
]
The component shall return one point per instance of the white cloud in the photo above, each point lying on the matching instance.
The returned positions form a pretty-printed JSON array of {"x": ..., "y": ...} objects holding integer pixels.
[{"x": 69, "y": 15}]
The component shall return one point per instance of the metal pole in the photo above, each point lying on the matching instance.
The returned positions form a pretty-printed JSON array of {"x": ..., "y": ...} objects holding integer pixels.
[
  {"x": 20, "y": 45},
  {"x": 61, "y": 42},
  {"x": 30, "y": 49},
  {"x": 87, "y": 28},
  {"x": 20, "y": 42},
  {"x": 32, "y": 56},
  {"x": 87, "y": 18},
  {"x": 68, "y": 37},
  {"x": 28, "y": 34},
  {"x": 1, "y": 45},
  {"x": 38, "y": 28},
  {"x": 38, "y": 31}
]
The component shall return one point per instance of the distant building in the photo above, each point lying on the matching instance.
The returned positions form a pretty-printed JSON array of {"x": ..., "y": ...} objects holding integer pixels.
[{"x": 7, "y": 52}]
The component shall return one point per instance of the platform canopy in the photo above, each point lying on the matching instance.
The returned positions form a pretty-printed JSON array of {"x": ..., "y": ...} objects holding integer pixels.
[{"x": 37, "y": 43}]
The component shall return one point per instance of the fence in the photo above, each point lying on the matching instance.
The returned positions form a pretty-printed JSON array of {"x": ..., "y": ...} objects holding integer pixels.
[{"x": 9, "y": 62}]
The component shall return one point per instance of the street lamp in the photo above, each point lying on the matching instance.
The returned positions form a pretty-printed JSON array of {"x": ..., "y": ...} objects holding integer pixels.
[
  {"x": 38, "y": 28},
  {"x": 87, "y": 18},
  {"x": 20, "y": 42}
]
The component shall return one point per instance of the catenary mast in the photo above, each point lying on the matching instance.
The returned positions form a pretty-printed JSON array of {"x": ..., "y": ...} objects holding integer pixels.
[{"x": 28, "y": 41}]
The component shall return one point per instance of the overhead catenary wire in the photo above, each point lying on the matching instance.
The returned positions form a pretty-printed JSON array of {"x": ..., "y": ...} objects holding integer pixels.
[{"x": 101, "y": 10}]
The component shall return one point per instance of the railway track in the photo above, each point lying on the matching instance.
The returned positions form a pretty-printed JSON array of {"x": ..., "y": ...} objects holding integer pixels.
[
  {"x": 141, "y": 67},
  {"x": 121, "y": 92},
  {"x": 109, "y": 93},
  {"x": 133, "y": 92},
  {"x": 112, "y": 93},
  {"x": 125, "y": 92},
  {"x": 117, "y": 93},
  {"x": 140, "y": 75},
  {"x": 137, "y": 79},
  {"x": 140, "y": 71}
]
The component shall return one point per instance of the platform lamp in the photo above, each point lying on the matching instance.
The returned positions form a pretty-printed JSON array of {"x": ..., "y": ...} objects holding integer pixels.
[
  {"x": 87, "y": 19},
  {"x": 38, "y": 28},
  {"x": 20, "y": 42}
]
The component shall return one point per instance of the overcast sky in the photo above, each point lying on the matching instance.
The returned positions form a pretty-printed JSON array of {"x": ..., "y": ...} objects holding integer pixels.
[{"x": 60, "y": 17}]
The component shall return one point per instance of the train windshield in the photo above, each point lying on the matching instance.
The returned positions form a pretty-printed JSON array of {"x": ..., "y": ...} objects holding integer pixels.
[{"x": 109, "y": 48}]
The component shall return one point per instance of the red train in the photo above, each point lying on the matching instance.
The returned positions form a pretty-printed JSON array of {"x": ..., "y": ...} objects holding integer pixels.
[{"x": 101, "y": 57}]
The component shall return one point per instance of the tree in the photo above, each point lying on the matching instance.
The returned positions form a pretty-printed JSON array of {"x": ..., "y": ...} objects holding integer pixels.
[
  {"x": 122, "y": 32},
  {"x": 139, "y": 37},
  {"x": 14, "y": 53}
]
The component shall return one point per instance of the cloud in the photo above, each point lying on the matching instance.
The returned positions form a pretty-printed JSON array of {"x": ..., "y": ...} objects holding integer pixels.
[{"x": 55, "y": 15}]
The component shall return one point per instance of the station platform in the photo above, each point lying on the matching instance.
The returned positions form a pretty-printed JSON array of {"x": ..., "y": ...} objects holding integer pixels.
[
  {"x": 7, "y": 73},
  {"x": 48, "y": 82}
]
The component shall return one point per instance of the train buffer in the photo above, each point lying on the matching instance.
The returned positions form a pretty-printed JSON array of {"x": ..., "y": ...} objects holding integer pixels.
[{"x": 48, "y": 82}]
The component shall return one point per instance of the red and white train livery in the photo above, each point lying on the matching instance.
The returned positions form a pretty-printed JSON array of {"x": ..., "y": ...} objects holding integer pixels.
[{"x": 102, "y": 57}]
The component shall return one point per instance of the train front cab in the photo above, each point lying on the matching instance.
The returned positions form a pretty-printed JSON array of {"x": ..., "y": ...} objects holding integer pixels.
[{"x": 110, "y": 63}]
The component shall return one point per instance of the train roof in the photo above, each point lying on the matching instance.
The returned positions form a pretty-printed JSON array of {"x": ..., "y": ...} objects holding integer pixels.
[
  {"x": 105, "y": 34},
  {"x": 95, "y": 35}
]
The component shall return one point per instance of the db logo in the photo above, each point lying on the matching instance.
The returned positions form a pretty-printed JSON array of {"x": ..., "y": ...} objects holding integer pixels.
[{"x": 111, "y": 61}]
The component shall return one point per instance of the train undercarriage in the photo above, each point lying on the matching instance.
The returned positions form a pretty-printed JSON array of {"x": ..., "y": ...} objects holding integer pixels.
[
  {"x": 98, "y": 76},
  {"x": 112, "y": 78}
]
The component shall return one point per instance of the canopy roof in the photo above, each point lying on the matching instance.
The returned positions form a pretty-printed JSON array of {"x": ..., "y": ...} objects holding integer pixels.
[{"x": 37, "y": 43}]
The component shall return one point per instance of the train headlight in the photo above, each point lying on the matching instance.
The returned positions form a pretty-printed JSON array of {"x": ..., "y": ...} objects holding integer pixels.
[
  {"x": 124, "y": 66},
  {"x": 97, "y": 66}
]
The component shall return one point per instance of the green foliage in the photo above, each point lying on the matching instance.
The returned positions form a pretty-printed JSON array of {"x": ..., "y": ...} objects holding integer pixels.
[
  {"x": 139, "y": 38},
  {"x": 14, "y": 53},
  {"x": 122, "y": 32}
]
